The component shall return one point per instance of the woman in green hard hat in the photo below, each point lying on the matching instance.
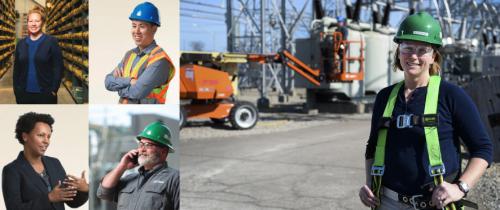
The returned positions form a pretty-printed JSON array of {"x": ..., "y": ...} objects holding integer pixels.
[{"x": 413, "y": 152}]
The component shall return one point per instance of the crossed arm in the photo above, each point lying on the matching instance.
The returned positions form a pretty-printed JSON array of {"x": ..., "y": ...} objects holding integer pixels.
[{"x": 153, "y": 76}]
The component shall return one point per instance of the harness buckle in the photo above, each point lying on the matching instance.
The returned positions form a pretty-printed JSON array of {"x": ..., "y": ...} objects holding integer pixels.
[
  {"x": 430, "y": 120},
  {"x": 437, "y": 170},
  {"x": 378, "y": 170},
  {"x": 404, "y": 121},
  {"x": 415, "y": 203}
]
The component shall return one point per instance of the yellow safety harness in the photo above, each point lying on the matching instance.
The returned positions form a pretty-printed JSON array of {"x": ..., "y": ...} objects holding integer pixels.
[{"x": 430, "y": 122}]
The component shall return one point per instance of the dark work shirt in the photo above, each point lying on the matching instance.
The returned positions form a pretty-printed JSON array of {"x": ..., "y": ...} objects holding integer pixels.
[
  {"x": 32, "y": 80},
  {"x": 153, "y": 190},
  {"x": 145, "y": 175},
  {"x": 406, "y": 157}
]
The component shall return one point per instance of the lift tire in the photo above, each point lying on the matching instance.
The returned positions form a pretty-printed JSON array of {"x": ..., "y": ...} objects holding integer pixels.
[
  {"x": 182, "y": 117},
  {"x": 244, "y": 115}
]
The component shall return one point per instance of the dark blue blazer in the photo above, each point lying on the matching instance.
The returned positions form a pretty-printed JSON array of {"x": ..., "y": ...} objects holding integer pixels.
[
  {"x": 48, "y": 63},
  {"x": 24, "y": 189}
]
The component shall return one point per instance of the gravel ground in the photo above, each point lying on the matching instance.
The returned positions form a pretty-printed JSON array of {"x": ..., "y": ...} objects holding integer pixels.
[
  {"x": 487, "y": 192},
  {"x": 268, "y": 123}
]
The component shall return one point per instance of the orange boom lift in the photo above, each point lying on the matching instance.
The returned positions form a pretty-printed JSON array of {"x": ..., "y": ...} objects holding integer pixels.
[{"x": 207, "y": 91}]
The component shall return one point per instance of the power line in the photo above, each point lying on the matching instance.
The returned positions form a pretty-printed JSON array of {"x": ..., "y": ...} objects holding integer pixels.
[
  {"x": 203, "y": 4},
  {"x": 201, "y": 17},
  {"x": 202, "y": 11},
  {"x": 197, "y": 32}
]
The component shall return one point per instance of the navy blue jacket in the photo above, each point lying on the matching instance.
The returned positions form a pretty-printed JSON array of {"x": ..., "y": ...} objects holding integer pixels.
[
  {"x": 406, "y": 157},
  {"x": 48, "y": 61},
  {"x": 24, "y": 189}
]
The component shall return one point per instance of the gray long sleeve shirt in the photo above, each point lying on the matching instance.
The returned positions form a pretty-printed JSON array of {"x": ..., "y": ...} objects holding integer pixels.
[
  {"x": 155, "y": 189},
  {"x": 149, "y": 77}
]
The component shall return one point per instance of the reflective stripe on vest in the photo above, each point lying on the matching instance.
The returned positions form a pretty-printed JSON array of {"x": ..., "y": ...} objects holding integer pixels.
[
  {"x": 158, "y": 93},
  {"x": 436, "y": 166},
  {"x": 130, "y": 71}
]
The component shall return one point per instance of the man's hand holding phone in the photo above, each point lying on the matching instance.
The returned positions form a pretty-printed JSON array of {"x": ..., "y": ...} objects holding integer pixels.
[{"x": 130, "y": 160}]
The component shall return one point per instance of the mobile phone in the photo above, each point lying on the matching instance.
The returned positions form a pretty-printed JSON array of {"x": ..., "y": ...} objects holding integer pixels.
[{"x": 135, "y": 159}]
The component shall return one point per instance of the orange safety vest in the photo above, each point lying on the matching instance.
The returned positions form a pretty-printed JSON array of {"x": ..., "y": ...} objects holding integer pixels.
[{"x": 158, "y": 93}]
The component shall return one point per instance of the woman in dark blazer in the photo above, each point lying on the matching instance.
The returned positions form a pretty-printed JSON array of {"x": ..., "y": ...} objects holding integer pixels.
[
  {"x": 38, "y": 64},
  {"x": 35, "y": 181}
]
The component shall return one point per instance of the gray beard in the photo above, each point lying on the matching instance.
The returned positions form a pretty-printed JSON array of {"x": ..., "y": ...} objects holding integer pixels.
[{"x": 152, "y": 159}]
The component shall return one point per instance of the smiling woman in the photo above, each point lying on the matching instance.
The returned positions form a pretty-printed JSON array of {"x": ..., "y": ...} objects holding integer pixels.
[
  {"x": 35, "y": 181},
  {"x": 38, "y": 64},
  {"x": 413, "y": 152},
  {"x": 427, "y": 58}
]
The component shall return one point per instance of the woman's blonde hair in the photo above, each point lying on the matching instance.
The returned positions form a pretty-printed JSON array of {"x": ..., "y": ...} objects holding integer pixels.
[
  {"x": 37, "y": 10},
  {"x": 435, "y": 67}
]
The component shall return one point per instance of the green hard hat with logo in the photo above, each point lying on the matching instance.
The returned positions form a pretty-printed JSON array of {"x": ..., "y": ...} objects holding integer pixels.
[
  {"x": 158, "y": 133},
  {"x": 421, "y": 27}
]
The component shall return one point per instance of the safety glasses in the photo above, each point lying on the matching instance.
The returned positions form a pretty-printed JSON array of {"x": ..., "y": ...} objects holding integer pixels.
[
  {"x": 409, "y": 49},
  {"x": 146, "y": 145}
]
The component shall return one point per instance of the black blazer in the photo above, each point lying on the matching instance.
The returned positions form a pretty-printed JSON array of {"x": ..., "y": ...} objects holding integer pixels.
[
  {"x": 24, "y": 189},
  {"x": 48, "y": 62}
]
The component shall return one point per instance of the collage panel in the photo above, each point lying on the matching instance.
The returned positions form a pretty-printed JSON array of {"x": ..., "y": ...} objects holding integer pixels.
[
  {"x": 150, "y": 135},
  {"x": 339, "y": 104},
  {"x": 134, "y": 52},
  {"x": 44, "y": 52},
  {"x": 44, "y": 157},
  {"x": 249, "y": 104},
  {"x": 46, "y": 43}
]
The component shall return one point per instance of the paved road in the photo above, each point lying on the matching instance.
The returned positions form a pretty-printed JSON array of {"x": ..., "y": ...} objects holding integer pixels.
[{"x": 319, "y": 167}]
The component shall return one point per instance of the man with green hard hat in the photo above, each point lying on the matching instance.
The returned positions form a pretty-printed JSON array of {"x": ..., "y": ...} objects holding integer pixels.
[{"x": 155, "y": 185}]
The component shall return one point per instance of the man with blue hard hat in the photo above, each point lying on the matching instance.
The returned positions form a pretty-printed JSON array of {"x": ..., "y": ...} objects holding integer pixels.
[
  {"x": 155, "y": 185},
  {"x": 143, "y": 75}
]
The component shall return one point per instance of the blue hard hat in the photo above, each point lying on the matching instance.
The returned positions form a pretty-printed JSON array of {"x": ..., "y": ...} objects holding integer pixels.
[
  {"x": 340, "y": 18},
  {"x": 146, "y": 12}
]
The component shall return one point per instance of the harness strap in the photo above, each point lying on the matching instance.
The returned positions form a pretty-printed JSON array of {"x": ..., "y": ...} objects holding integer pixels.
[
  {"x": 378, "y": 166},
  {"x": 436, "y": 166}
]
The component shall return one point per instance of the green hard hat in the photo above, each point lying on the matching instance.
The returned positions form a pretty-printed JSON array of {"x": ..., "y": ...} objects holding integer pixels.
[
  {"x": 159, "y": 133},
  {"x": 421, "y": 27}
]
